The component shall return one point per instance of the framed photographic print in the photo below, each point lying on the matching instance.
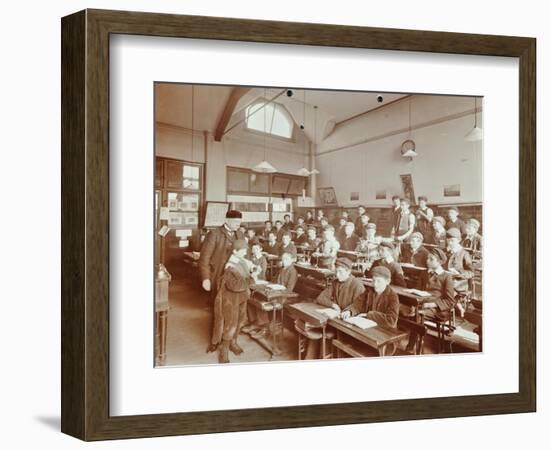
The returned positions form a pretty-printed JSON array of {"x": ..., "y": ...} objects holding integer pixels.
[
  {"x": 328, "y": 196},
  {"x": 223, "y": 124}
]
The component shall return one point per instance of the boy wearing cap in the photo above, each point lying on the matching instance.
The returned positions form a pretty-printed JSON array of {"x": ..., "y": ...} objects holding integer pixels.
[
  {"x": 216, "y": 249},
  {"x": 231, "y": 300},
  {"x": 349, "y": 240},
  {"x": 345, "y": 291},
  {"x": 417, "y": 253},
  {"x": 473, "y": 240},
  {"x": 459, "y": 261},
  {"x": 440, "y": 284},
  {"x": 454, "y": 221},
  {"x": 344, "y": 294},
  {"x": 387, "y": 260},
  {"x": 424, "y": 217},
  {"x": 382, "y": 303},
  {"x": 370, "y": 244}
]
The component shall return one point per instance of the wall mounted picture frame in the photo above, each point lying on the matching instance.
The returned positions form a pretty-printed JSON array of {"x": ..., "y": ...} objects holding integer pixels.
[
  {"x": 87, "y": 179},
  {"x": 328, "y": 196}
]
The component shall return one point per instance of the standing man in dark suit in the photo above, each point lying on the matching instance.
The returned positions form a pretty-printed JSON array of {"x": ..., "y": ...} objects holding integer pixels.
[{"x": 216, "y": 249}]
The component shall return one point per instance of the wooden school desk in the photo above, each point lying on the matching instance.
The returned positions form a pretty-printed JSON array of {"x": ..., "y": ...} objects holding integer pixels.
[
  {"x": 379, "y": 338},
  {"x": 271, "y": 301}
]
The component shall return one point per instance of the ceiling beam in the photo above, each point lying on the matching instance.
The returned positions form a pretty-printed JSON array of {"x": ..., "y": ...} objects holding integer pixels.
[{"x": 234, "y": 97}]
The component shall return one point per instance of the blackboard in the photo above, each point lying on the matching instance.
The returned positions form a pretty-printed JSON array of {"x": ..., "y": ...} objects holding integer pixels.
[{"x": 215, "y": 214}]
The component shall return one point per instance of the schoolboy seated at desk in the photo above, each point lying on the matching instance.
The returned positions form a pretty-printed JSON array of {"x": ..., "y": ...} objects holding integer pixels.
[
  {"x": 416, "y": 254},
  {"x": 323, "y": 223},
  {"x": 328, "y": 248},
  {"x": 320, "y": 216},
  {"x": 310, "y": 220},
  {"x": 361, "y": 211},
  {"x": 344, "y": 293},
  {"x": 272, "y": 246},
  {"x": 286, "y": 245},
  {"x": 363, "y": 224},
  {"x": 258, "y": 259},
  {"x": 301, "y": 237},
  {"x": 454, "y": 221},
  {"x": 250, "y": 237},
  {"x": 381, "y": 304},
  {"x": 439, "y": 235},
  {"x": 268, "y": 228},
  {"x": 279, "y": 230},
  {"x": 387, "y": 260},
  {"x": 349, "y": 241},
  {"x": 312, "y": 241},
  {"x": 440, "y": 284},
  {"x": 300, "y": 222},
  {"x": 340, "y": 228},
  {"x": 459, "y": 263},
  {"x": 288, "y": 225},
  {"x": 370, "y": 243},
  {"x": 258, "y": 318},
  {"x": 472, "y": 240}
]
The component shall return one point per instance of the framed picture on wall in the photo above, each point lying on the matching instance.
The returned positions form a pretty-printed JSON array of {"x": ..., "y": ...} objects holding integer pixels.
[
  {"x": 119, "y": 67},
  {"x": 328, "y": 196}
]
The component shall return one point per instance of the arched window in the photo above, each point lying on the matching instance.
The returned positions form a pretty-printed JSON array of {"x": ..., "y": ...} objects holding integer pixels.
[{"x": 270, "y": 118}]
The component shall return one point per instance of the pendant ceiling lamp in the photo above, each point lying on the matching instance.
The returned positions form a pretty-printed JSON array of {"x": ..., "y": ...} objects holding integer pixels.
[
  {"x": 408, "y": 148},
  {"x": 264, "y": 166},
  {"x": 304, "y": 172},
  {"x": 476, "y": 133}
]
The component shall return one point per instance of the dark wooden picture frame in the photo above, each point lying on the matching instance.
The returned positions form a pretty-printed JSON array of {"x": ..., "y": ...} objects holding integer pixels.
[{"x": 85, "y": 224}]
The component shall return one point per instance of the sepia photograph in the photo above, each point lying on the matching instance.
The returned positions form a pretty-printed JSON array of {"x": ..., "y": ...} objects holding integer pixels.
[{"x": 297, "y": 224}]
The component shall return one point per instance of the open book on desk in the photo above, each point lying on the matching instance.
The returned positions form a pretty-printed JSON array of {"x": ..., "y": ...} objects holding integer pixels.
[
  {"x": 329, "y": 312},
  {"x": 361, "y": 322},
  {"x": 276, "y": 287}
]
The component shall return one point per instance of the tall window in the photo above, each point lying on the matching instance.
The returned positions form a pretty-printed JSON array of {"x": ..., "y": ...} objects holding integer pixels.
[{"x": 271, "y": 118}]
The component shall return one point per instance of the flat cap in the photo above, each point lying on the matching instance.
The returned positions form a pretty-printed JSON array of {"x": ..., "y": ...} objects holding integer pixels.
[
  {"x": 381, "y": 271},
  {"x": 454, "y": 233},
  {"x": 343, "y": 262},
  {"x": 474, "y": 222},
  {"x": 233, "y": 214}
]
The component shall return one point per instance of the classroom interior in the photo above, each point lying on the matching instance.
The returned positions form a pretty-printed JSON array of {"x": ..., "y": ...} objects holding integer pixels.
[{"x": 281, "y": 151}]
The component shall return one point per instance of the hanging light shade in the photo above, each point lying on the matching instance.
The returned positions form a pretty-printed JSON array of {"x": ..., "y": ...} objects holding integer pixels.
[
  {"x": 264, "y": 167},
  {"x": 476, "y": 133}
]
